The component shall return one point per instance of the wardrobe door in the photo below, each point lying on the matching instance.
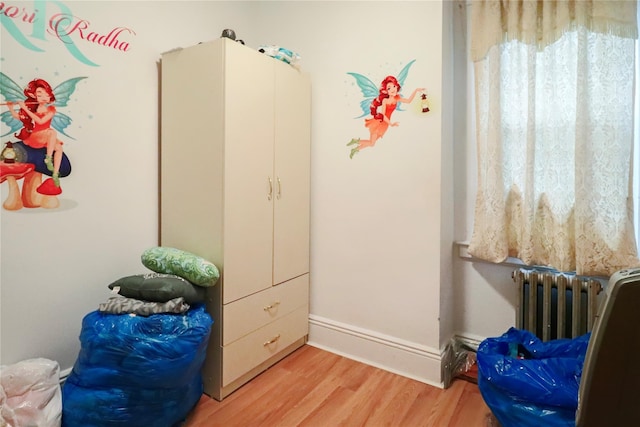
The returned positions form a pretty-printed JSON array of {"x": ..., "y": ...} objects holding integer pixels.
[
  {"x": 292, "y": 168},
  {"x": 249, "y": 182},
  {"x": 191, "y": 152}
]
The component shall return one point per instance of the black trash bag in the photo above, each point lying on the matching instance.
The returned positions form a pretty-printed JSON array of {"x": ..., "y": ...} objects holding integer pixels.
[
  {"x": 528, "y": 382},
  {"x": 135, "y": 370}
]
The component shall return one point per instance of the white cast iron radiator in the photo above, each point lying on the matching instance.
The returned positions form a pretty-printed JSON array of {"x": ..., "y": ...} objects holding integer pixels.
[{"x": 554, "y": 305}]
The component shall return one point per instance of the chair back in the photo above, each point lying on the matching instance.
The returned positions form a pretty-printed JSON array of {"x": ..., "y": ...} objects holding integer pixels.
[{"x": 609, "y": 393}]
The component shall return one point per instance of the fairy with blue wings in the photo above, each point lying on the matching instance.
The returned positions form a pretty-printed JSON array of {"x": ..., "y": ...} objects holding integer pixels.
[
  {"x": 37, "y": 118},
  {"x": 380, "y": 102}
]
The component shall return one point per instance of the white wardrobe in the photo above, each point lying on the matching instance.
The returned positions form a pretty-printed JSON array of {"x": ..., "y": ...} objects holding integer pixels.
[{"x": 234, "y": 189}]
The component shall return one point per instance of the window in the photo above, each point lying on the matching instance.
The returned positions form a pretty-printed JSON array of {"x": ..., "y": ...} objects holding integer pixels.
[{"x": 554, "y": 121}]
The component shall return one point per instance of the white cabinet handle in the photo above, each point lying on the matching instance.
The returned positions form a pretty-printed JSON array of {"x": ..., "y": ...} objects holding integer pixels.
[
  {"x": 279, "y": 189},
  {"x": 272, "y": 340},
  {"x": 270, "y": 194}
]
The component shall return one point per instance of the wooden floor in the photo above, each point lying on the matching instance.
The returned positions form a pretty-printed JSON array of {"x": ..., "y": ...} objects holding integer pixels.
[{"x": 312, "y": 387}]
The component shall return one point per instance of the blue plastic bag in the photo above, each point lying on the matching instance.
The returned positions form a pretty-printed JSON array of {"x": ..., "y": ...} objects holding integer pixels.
[
  {"x": 528, "y": 382},
  {"x": 128, "y": 406},
  {"x": 135, "y": 370}
]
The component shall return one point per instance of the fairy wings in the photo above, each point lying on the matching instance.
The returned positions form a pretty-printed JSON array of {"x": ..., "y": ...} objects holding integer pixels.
[
  {"x": 370, "y": 90},
  {"x": 13, "y": 93}
]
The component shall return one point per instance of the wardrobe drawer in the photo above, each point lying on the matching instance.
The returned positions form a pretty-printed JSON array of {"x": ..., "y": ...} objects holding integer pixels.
[
  {"x": 244, "y": 316},
  {"x": 251, "y": 350}
]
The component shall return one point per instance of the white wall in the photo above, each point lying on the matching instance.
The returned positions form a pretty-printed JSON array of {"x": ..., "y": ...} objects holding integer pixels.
[{"x": 383, "y": 224}]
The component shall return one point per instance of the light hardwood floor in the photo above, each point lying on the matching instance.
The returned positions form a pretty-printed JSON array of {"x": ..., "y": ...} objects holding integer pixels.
[{"x": 312, "y": 387}]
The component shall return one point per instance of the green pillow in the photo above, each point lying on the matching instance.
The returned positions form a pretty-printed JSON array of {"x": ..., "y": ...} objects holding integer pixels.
[
  {"x": 157, "y": 287},
  {"x": 195, "y": 269}
]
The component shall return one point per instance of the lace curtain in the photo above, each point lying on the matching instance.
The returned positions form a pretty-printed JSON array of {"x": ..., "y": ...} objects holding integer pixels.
[{"x": 554, "y": 127}]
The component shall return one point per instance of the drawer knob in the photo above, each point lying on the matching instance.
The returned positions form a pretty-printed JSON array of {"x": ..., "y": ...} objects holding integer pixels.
[
  {"x": 272, "y": 305},
  {"x": 272, "y": 340}
]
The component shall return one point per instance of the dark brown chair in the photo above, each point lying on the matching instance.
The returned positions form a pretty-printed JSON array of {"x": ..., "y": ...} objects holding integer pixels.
[{"x": 609, "y": 393}]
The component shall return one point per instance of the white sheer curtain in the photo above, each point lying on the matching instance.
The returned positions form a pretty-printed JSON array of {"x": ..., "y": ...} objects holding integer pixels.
[{"x": 554, "y": 87}]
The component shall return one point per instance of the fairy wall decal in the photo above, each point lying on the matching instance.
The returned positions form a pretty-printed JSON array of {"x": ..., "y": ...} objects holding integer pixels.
[
  {"x": 380, "y": 102},
  {"x": 38, "y": 124}
]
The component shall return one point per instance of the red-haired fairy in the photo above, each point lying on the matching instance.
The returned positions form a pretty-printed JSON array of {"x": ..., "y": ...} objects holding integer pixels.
[
  {"x": 381, "y": 102},
  {"x": 36, "y": 114}
]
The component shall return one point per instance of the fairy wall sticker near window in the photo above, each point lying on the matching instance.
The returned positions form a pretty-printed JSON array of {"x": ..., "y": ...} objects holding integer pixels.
[
  {"x": 34, "y": 119},
  {"x": 380, "y": 102}
]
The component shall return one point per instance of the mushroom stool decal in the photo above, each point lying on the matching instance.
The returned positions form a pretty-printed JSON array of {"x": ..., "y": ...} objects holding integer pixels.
[
  {"x": 12, "y": 172},
  {"x": 29, "y": 164}
]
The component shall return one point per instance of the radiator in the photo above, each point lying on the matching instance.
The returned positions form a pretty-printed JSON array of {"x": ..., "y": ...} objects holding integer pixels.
[{"x": 555, "y": 305}]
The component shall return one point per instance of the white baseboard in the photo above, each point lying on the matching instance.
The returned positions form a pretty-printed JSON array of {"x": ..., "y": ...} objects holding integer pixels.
[{"x": 415, "y": 361}]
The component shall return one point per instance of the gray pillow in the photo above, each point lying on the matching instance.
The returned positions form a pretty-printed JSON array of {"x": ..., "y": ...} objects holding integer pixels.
[
  {"x": 118, "y": 304},
  {"x": 159, "y": 287}
]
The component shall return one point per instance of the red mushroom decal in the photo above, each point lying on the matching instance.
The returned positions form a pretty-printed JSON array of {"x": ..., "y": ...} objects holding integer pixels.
[
  {"x": 49, "y": 188},
  {"x": 38, "y": 194},
  {"x": 12, "y": 172}
]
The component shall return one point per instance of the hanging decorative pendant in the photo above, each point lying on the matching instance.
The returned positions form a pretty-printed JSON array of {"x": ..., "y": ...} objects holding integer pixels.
[{"x": 424, "y": 102}]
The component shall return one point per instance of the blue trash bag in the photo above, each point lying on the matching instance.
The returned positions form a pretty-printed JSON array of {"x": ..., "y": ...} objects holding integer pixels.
[
  {"x": 128, "y": 406},
  {"x": 135, "y": 370},
  {"x": 528, "y": 382}
]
